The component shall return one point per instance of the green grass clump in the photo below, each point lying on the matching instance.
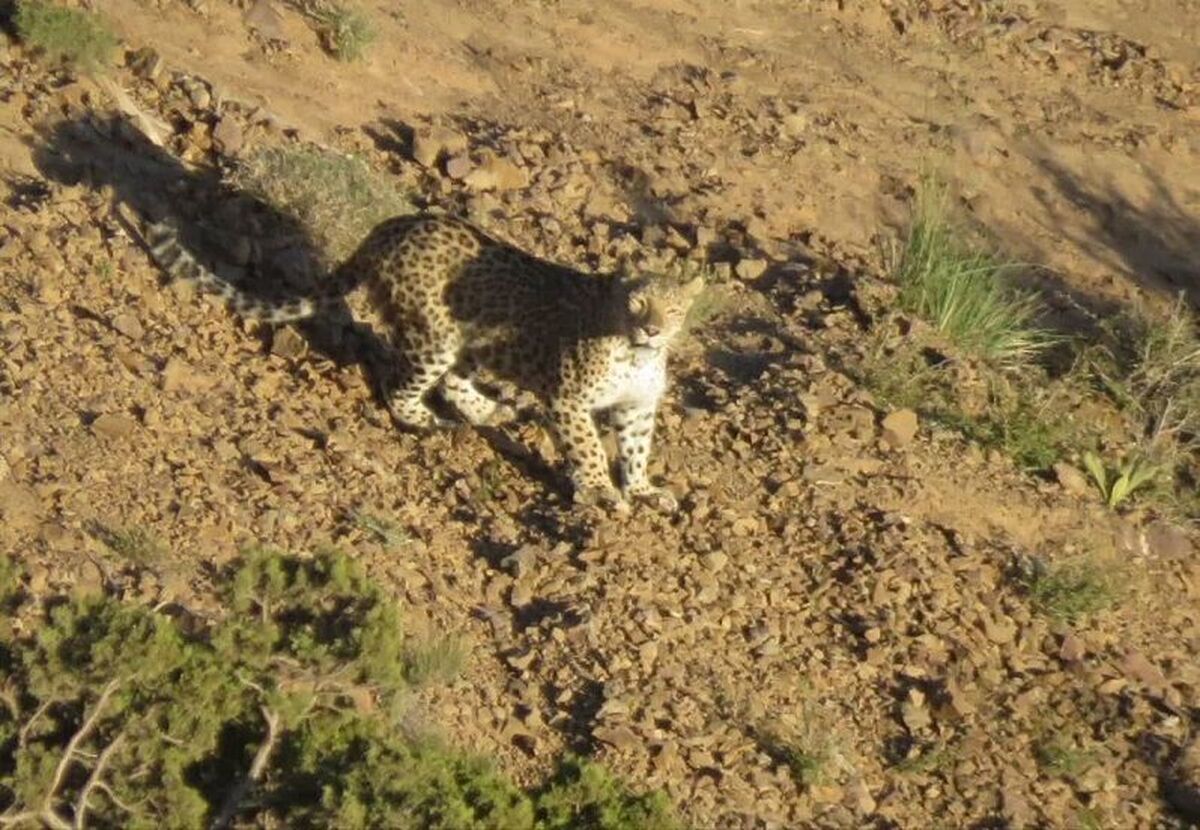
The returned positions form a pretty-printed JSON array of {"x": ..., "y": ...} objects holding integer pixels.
[
  {"x": 290, "y": 712},
  {"x": 934, "y": 759},
  {"x": 338, "y": 199},
  {"x": 1071, "y": 589},
  {"x": 1152, "y": 367},
  {"x": 962, "y": 291},
  {"x": 810, "y": 746},
  {"x": 72, "y": 36},
  {"x": 437, "y": 659},
  {"x": 346, "y": 32},
  {"x": 1017, "y": 428}
]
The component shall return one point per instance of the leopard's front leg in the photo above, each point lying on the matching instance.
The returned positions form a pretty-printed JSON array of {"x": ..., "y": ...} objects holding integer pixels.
[{"x": 635, "y": 434}]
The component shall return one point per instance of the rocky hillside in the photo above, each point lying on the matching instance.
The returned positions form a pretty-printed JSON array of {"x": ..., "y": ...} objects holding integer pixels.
[{"x": 884, "y": 603}]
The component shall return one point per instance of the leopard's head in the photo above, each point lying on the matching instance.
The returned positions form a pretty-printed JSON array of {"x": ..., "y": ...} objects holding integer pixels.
[{"x": 657, "y": 310}]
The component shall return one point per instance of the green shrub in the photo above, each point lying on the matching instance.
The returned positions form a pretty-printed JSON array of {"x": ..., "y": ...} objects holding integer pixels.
[
  {"x": 583, "y": 796},
  {"x": 69, "y": 35},
  {"x": 286, "y": 713}
]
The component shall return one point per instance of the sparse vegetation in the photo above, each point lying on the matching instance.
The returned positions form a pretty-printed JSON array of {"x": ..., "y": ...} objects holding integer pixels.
[
  {"x": 136, "y": 545},
  {"x": 1151, "y": 369},
  {"x": 1018, "y": 426},
  {"x": 75, "y": 37},
  {"x": 384, "y": 531},
  {"x": 1059, "y": 756},
  {"x": 1072, "y": 588},
  {"x": 338, "y": 199},
  {"x": 810, "y": 746},
  {"x": 933, "y": 759},
  {"x": 962, "y": 290},
  {"x": 345, "y": 32},
  {"x": 288, "y": 710},
  {"x": 491, "y": 481},
  {"x": 1025, "y": 422}
]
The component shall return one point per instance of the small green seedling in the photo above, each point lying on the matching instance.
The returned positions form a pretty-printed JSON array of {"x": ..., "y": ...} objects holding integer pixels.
[{"x": 1118, "y": 485}]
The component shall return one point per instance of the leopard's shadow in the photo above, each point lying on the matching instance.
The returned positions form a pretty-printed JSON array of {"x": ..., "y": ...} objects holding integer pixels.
[{"x": 103, "y": 153}]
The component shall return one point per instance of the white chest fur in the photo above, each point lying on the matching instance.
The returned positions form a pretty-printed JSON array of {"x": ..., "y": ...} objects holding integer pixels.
[{"x": 637, "y": 378}]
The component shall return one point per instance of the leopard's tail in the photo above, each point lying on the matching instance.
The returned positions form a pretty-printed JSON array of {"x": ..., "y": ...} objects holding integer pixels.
[{"x": 161, "y": 240}]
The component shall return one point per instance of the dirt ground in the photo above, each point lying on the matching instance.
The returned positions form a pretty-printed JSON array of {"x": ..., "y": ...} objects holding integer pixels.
[{"x": 827, "y": 588}]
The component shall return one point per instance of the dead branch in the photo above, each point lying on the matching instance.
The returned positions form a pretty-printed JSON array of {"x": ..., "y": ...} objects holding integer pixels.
[
  {"x": 113, "y": 797},
  {"x": 146, "y": 124},
  {"x": 81, "y": 803},
  {"x": 76, "y": 739},
  {"x": 23, "y": 735},
  {"x": 232, "y": 802},
  {"x": 48, "y": 815}
]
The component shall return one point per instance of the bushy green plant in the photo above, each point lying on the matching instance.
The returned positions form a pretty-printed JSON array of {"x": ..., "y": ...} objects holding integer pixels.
[
  {"x": 584, "y": 796},
  {"x": 287, "y": 710},
  {"x": 69, "y": 35}
]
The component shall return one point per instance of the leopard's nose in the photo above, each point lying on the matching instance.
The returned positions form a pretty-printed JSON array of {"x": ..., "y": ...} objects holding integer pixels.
[{"x": 651, "y": 331}]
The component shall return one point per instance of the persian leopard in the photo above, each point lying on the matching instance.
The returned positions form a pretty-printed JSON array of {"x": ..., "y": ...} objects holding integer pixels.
[{"x": 460, "y": 305}]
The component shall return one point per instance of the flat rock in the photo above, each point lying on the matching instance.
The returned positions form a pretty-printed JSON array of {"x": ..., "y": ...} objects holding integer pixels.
[
  {"x": 264, "y": 18},
  {"x": 1071, "y": 479},
  {"x": 115, "y": 426},
  {"x": 751, "y": 269},
  {"x": 228, "y": 136},
  {"x": 20, "y": 506},
  {"x": 496, "y": 173},
  {"x": 457, "y": 167},
  {"x": 129, "y": 325},
  {"x": 621, "y": 737},
  {"x": 428, "y": 145},
  {"x": 178, "y": 375},
  {"x": 899, "y": 428}
]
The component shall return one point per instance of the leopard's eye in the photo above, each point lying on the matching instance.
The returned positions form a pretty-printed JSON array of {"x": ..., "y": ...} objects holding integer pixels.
[{"x": 637, "y": 305}]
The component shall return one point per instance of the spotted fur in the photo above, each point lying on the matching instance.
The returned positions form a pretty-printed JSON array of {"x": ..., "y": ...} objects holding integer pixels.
[{"x": 460, "y": 305}]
